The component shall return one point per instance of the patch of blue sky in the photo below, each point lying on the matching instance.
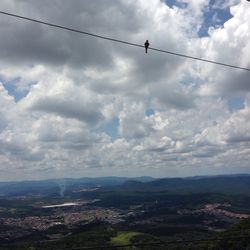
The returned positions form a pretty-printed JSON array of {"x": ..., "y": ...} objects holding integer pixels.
[
  {"x": 214, "y": 16},
  {"x": 149, "y": 112},
  {"x": 236, "y": 103},
  {"x": 188, "y": 80},
  {"x": 110, "y": 128},
  {"x": 11, "y": 87},
  {"x": 172, "y": 3}
]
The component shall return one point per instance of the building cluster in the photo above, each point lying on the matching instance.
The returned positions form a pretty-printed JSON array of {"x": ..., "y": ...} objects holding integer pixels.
[
  {"x": 69, "y": 217},
  {"x": 103, "y": 214},
  {"x": 217, "y": 210},
  {"x": 39, "y": 223}
]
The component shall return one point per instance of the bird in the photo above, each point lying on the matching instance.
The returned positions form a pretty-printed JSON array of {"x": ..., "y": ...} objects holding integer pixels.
[{"x": 146, "y": 44}]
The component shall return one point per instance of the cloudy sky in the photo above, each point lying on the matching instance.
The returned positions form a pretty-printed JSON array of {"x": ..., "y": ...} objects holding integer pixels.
[{"x": 73, "y": 105}]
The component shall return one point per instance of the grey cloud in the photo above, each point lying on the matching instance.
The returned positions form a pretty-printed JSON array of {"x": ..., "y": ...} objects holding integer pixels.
[
  {"x": 175, "y": 99},
  {"x": 3, "y": 121},
  {"x": 233, "y": 82},
  {"x": 207, "y": 151},
  {"x": 48, "y": 136},
  {"x": 76, "y": 146},
  {"x": 239, "y": 138},
  {"x": 156, "y": 149},
  {"x": 22, "y": 41},
  {"x": 93, "y": 163},
  {"x": 20, "y": 150},
  {"x": 30, "y": 43},
  {"x": 79, "y": 140},
  {"x": 88, "y": 112}
]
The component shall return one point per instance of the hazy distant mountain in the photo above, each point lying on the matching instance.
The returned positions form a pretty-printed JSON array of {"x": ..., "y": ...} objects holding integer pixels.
[
  {"x": 59, "y": 185},
  {"x": 228, "y": 184}
]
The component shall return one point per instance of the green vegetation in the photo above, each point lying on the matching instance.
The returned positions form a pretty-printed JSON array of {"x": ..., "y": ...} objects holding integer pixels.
[
  {"x": 132, "y": 213},
  {"x": 123, "y": 238}
]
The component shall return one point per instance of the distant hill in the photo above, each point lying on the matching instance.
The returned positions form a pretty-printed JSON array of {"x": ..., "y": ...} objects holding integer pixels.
[
  {"x": 231, "y": 184},
  {"x": 59, "y": 185},
  {"x": 224, "y": 184}
]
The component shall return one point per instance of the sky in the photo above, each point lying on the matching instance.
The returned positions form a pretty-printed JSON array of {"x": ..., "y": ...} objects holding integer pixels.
[{"x": 75, "y": 106}]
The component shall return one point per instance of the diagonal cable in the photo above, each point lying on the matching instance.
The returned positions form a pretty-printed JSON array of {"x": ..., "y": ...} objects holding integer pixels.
[{"x": 121, "y": 41}]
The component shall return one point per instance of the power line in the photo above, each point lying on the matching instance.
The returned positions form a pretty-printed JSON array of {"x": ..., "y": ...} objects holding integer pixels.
[
  {"x": 121, "y": 41},
  {"x": 162, "y": 243}
]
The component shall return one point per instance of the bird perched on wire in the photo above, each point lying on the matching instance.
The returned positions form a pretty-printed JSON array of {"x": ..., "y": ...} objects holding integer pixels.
[{"x": 146, "y": 44}]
